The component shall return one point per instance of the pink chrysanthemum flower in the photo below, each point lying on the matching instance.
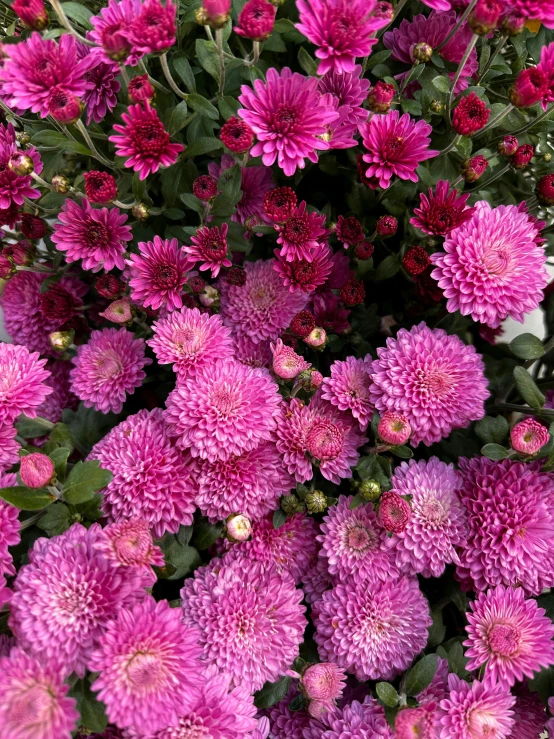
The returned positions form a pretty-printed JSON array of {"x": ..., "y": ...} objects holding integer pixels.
[
  {"x": 301, "y": 234},
  {"x": 250, "y": 483},
  {"x": 129, "y": 544},
  {"x": 287, "y": 724},
  {"x": 353, "y": 542},
  {"x": 432, "y": 30},
  {"x": 438, "y": 687},
  {"x": 288, "y": 116},
  {"x": 9, "y": 527},
  {"x": 324, "y": 682},
  {"x": 250, "y": 617},
  {"x": 144, "y": 140},
  {"x": 509, "y": 635},
  {"x": 419, "y": 722},
  {"x": 9, "y": 448},
  {"x": 357, "y": 719},
  {"x": 33, "y": 699},
  {"x": 108, "y": 368},
  {"x": 510, "y": 513},
  {"x": 152, "y": 480},
  {"x": 209, "y": 246},
  {"x": 529, "y": 436},
  {"x": 437, "y": 526},
  {"x": 255, "y": 182},
  {"x": 475, "y": 710},
  {"x": 372, "y": 632},
  {"x": 342, "y": 131},
  {"x": 342, "y": 30},
  {"x": 394, "y": 428},
  {"x": 263, "y": 307},
  {"x": 348, "y": 388},
  {"x": 546, "y": 66},
  {"x": 153, "y": 30},
  {"x": 542, "y": 10},
  {"x": 441, "y": 211},
  {"x": 229, "y": 409},
  {"x": 14, "y": 188},
  {"x": 149, "y": 664},
  {"x": 396, "y": 145},
  {"x": 111, "y": 31},
  {"x": 251, "y": 354},
  {"x": 61, "y": 397},
  {"x": 22, "y": 382},
  {"x": 316, "y": 581},
  {"x": 491, "y": 268},
  {"x": 67, "y": 594},
  {"x": 350, "y": 89},
  {"x": 304, "y": 275},
  {"x": 6, "y": 644},
  {"x": 286, "y": 363},
  {"x": 158, "y": 273},
  {"x": 100, "y": 97},
  {"x": 36, "y": 65},
  {"x": 95, "y": 235},
  {"x": 290, "y": 548},
  {"x": 529, "y": 715},
  {"x": 434, "y": 379},
  {"x": 188, "y": 340}
]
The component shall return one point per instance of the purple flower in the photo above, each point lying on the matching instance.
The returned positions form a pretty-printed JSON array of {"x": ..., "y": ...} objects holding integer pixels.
[
  {"x": 158, "y": 273},
  {"x": 255, "y": 182},
  {"x": 14, "y": 188},
  {"x": 350, "y": 89},
  {"x": 9, "y": 448},
  {"x": 101, "y": 95},
  {"x": 111, "y": 31}
]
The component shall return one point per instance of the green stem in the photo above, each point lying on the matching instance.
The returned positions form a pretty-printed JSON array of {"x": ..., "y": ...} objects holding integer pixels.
[
  {"x": 31, "y": 521},
  {"x": 461, "y": 20},
  {"x": 491, "y": 179},
  {"x": 125, "y": 206},
  {"x": 460, "y": 70},
  {"x": 84, "y": 133},
  {"x": 255, "y": 55},
  {"x": 170, "y": 81},
  {"x": 530, "y": 125},
  {"x": 153, "y": 82},
  {"x": 495, "y": 121},
  {"x": 124, "y": 75},
  {"x": 407, "y": 78},
  {"x": 42, "y": 182},
  {"x": 499, "y": 46},
  {"x": 64, "y": 20},
  {"x": 36, "y": 268},
  {"x": 219, "y": 42},
  {"x": 452, "y": 145}
]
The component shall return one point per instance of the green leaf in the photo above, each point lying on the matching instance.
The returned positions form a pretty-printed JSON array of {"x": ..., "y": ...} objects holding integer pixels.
[
  {"x": 228, "y": 106},
  {"x": 235, "y": 238},
  {"x": 192, "y": 202},
  {"x": 206, "y": 534},
  {"x": 184, "y": 535},
  {"x": 437, "y": 630},
  {"x": 30, "y": 428},
  {"x": 27, "y": 499},
  {"x": 229, "y": 184},
  {"x": 404, "y": 452},
  {"x": 421, "y": 674},
  {"x": 88, "y": 426},
  {"x": 527, "y": 346},
  {"x": 202, "y": 106},
  {"x": 55, "y": 520},
  {"x": 441, "y": 84},
  {"x": 457, "y": 661},
  {"x": 528, "y": 389},
  {"x": 388, "y": 267},
  {"x": 494, "y": 451},
  {"x": 378, "y": 58},
  {"x": 178, "y": 118},
  {"x": 306, "y": 62},
  {"x": 271, "y": 693},
  {"x": 60, "y": 456},
  {"x": 78, "y": 13},
  {"x": 93, "y": 715},
  {"x": 182, "y": 67},
  {"x": 59, "y": 141},
  {"x": 202, "y": 145},
  {"x": 184, "y": 558},
  {"x": 206, "y": 53},
  {"x": 387, "y": 694},
  {"x": 279, "y": 518},
  {"x": 356, "y": 501},
  {"x": 85, "y": 479},
  {"x": 492, "y": 430}
]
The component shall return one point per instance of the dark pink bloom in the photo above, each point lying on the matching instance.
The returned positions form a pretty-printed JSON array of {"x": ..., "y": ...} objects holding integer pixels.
[
  {"x": 209, "y": 246},
  {"x": 441, "y": 211},
  {"x": 530, "y": 87},
  {"x": 111, "y": 31},
  {"x": 158, "y": 273},
  {"x": 470, "y": 115},
  {"x": 14, "y": 188},
  {"x": 350, "y": 89},
  {"x": 101, "y": 95},
  {"x": 256, "y": 20},
  {"x": 255, "y": 183},
  {"x": 542, "y": 10},
  {"x": 32, "y": 13},
  {"x": 474, "y": 168},
  {"x": 304, "y": 275},
  {"x": 300, "y": 236},
  {"x": 100, "y": 187},
  {"x": 140, "y": 89},
  {"x": 153, "y": 30},
  {"x": 546, "y": 66},
  {"x": 236, "y": 134}
]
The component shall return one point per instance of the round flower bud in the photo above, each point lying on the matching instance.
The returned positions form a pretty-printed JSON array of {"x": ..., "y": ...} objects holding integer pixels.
[
  {"x": 291, "y": 504},
  {"x": 394, "y": 428},
  {"x": 7, "y": 267},
  {"x": 279, "y": 204},
  {"x": 32, "y": 13},
  {"x": 474, "y": 167},
  {"x": 237, "y": 135},
  {"x": 529, "y": 436},
  {"x": 61, "y": 184},
  {"x": 210, "y": 297},
  {"x": 416, "y": 260},
  {"x": 394, "y": 512},
  {"x": 485, "y": 17},
  {"x": 324, "y": 440},
  {"x": 120, "y": 311},
  {"x": 217, "y": 12},
  {"x": 523, "y": 156},
  {"x": 470, "y": 115},
  {"x": 352, "y": 292},
  {"x": 140, "y": 89},
  {"x": 513, "y": 24},
  {"x": 323, "y": 682},
  {"x": 32, "y": 227},
  {"x": 108, "y": 286},
  {"x": 380, "y": 97},
  {"x": 61, "y": 340},
  {"x": 436, "y": 107},
  {"x": 36, "y": 470},
  {"x": 238, "y": 528},
  {"x": 310, "y": 379},
  {"x": 204, "y": 188},
  {"x": 386, "y": 226},
  {"x": 369, "y": 490},
  {"x": 422, "y": 52},
  {"x": 364, "y": 250},
  {"x": 202, "y": 17},
  {"x": 547, "y": 157},
  {"x": 22, "y": 253},
  {"x": 115, "y": 43},
  {"x": 64, "y": 107},
  {"x": 530, "y": 86},
  {"x": 23, "y": 138},
  {"x": 318, "y": 709},
  {"x": 384, "y": 11},
  {"x": 508, "y": 146},
  {"x": 21, "y": 164},
  {"x": 256, "y": 20},
  {"x": 316, "y": 502},
  {"x": 140, "y": 211},
  {"x": 545, "y": 190},
  {"x": 196, "y": 284},
  {"x": 316, "y": 338},
  {"x": 100, "y": 187},
  {"x": 236, "y": 276}
]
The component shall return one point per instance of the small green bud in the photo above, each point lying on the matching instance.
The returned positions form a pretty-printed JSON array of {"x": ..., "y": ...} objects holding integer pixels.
[
  {"x": 316, "y": 502},
  {"x": 370, "y": 490},
  {"x": 291, "y": 504}
]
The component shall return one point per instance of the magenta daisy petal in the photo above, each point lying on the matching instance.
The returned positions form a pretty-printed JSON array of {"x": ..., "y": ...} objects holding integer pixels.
[
  {"x": 209, "y": 246},
  {"x": 442, "y": 211},
  {"x": 130, "y": 544},
  {"x": 357, "y": 719},
  {"x": 14, "y": 188},
  {"x": 9, "y": 448},
  {"x": 350, "y": 89},
  {"x": 22, "y": 382},
  {"x": 301, "y": 234},
  {"x": 348, "y": 388},
  {"x": 61, "y": 397},
  {"x": 9, "y": 528},
  {"x": 476, "y": 709},
  {"x": 158, "y": 273},
  {"x": 153, "y": 29},
  {"x": 111, "y": 31},
  {"x": 301, "y": 274}
]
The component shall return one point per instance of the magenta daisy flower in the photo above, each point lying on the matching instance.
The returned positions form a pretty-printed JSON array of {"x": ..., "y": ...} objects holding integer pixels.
[
  {"x": 149, "y": 663},
  {"x": 396, "y": 145},
  {"x": 22, "y": 382},
  {"x": 348, "y": 388},
  {"x": 375, "y": 631},
  {"x": 441, "y": 211},
  {"x": 100, "y": 97},
  {"x": 33, "y": 699},
  {"x": 435, "y": 380},
  {"x": 152, "y": 480},
  {"x": 509, "y": 635},
  {"x": 350, "y": 89},
  {"x": 535, "y": 10},
  {"x": 65, "y": 597},
  {"x": 353, "y": 543},
  {"x": 188, "y": 340},
  {"x": 95, "y": 235},
  {"x": 491, "y": 268},
  {"x": 288, "y": 116},
  {"x": 108, "y": 368},
  {"x": 144, "y": 140},
  {"x": 36, "y": 65},
  {"x": 546, "y": 66},
  {"x": 476, "y": 709},
  {"x": 286, "y": 363},
  {"x": 316, "y": 581},
  {"x": 9, "y": 527},
  {"x": 529, "y": 715},
  {"x": 250, "y": 618},
  {"x": 341, "y": 30},
  {"x": 229, "y": 409},
  {"x": 437, "y": 526},
  {"x": 287, "y": 724},
  {"x": 301, "y": 234},
  {"x": 158, "y": 273},
  {"x": 263, "y": 307},
  {"x": 209, "y": 246},
  {"x": 250, "y": 483},
  {"x": 111, "y": 31},
  {"x": 304, "y": 275},
  {"x": 153, "y": 30},
  {"x": 510, "y": 513},
  {"x": 9, "y": 448}
]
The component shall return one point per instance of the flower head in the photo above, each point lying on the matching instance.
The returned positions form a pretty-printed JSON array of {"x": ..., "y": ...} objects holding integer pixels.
[
  {"x": 288, "y": 116},
  {"x": 256, "y": 20},
  {"x": 491, "y": 267},
  {"x": 348, "y": 388},
  {"x": 111, "y": 31},
  {"x": 396, "y": 145},
  {"x": 442, "y": 211},
  {"x": 148, "y": 662},
  {"x": 475, "y": 710},
  {"x": 529, "y": 715},
  {"x": 108, "y": 368},
  {"x": 416, "y": 722},
  {"x": 434, "y": 379},
  {"x": 301, "y": 274},
  {"x": 153, "y": 30},
  {"x": 279, "y": 204},
  {"x": 144, "y": 140},
  {"x": 61, "y": 397},
  {"x": 323, "y": 682},
  {"x": 22, "y": 382},
  {"x": 357, "y": 719},
  {"x": 205, "y": 187},
  {"x": 236, "y": 134},
  {"x": 529, "y": 436},
  {"x": 209, "y": 246},
  {"x": 129, "y": 544},
  {"x": 350, "y": 89},
  {"x": 301, "y": 234},
  {"x": 36, "y": 470},
  {"x": 9, "y": 448},
  {"x": 470, "y": 115},
  {"x": 158, "y": 273},
  {"x": 530, "y": 86},
  {"x": 100, "y": 187},
  {"x": 287, "y": 364},
  {"x": 394, "y": 428},
  {"x": 250, "y": 618},
  {"x": 152, "y": 481},
  {"x": 15, "y": 187},
  {"x": 102, "y": 87},
  {"x": 255, "y": 183}
]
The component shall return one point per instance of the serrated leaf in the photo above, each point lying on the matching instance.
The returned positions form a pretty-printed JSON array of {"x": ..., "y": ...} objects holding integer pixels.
[
  {"x": 271, "y": 693},
  {"x": 55, "y": 520},
  {"x": 27, "y": 499},
  {"x": 206, "y": 534},
  {"x": 494, "y": 451},
  {"x": 202, "y": 106},
  {"x": 528, "y": 389},
  {"x": 492, "y": 430},
  {"x": 421, "y": 674},
  {"x": 31, "y": 428},
  {"x": 85, "y": 479},
  {"x": 527, "y": 346},
  {"x": 387, "y": 694}
]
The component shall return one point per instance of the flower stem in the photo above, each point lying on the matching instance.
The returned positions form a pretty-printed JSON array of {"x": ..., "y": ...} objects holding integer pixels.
[
  {"x": 31, "y": 521},
  {"x": 41, "y": 182},
  {"x": 219, "y": 42},
  {"x": 64, "y": 20},
  {"x": 255, "y": 54},
  {"x": 492, "y": 179},
  {"x": 499, "y": 46},
  {"x": 407, "y": 78},
  {"x": 125, "y": 206},
  {"x": 536, "y": 120},
  {"x": 170, "y": 81},
  {"x": 452, "y": 145},
  {"x": 153, "y": 82},
  {"x": 84, "y": 133},
  {"x": 454, "y": 30},
  {"x": 124, "y": 75},
  {"x": 495, "y": 121},
  {"x": 37, "y": 269},
  {"x": 460, "y": 70}
]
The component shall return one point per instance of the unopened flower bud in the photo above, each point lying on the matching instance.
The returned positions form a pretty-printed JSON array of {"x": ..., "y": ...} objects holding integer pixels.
[
  {"x": 204, "y": 187},
  {"x": 32, "y": 227},
  {"x": 61, "y": 340},
  {"x": 21, "y": 164},
  {"x": 115, "y": 43},
  {"x": 547, "y": 157},
  {"x": 36, "y": 470},
  {"x": 32, "y": 13},
  {"x": 369, "y": 490},
  {"x": 317, "y": 338},
  {"x": 530, "y": 86},
  {"x": 323, "y": 682},
  {"x": 485, "y": 17},
  {"x": 386, "y": 226},
  {"x": 352, "y": 292},
  {"x": 23, "y": 138},
  {"x": 380, "y": 97},
  {"x": 474, "y": 167},
  {"x": 217, "y": 12},
  {"x": 529, "y": 436},
  {"x": 544, "y": 190},
  {"x": 291, "y": 504},
  {"x": 310, "y": 379},
  {"x": 394, "y": 512},
  {"x": 508, "y": 146},
  {"x": 22, "y": 253},
  {"x": 61, "y": 184},
  {"x": 210, "y": 297},
  {"x": 236, "y": 276},
  {"x": 364, "y": 250},
  {"x": 422, "y": 52},
  {"x": 256, "y": 20},
  {"x": 140, "y": 89},
  {"x": 394, "y": 428},
  {"x": 523, "y": 156},
  {"x": 316, "y": 501},
  {"x": 63, "y": 106},
  {"x": 7, "y": 267},
  {"x": 100, "y": 187},
  {"x": 415, "y": 261},
  {"x": 120, "y": 311},
  {"x": 108, "y": 286},
  {"x": 513, "y": 23},
  {"x": 140, "y": 211},
  {"x": 196, "y": 284},
  {"x": 384, "y": 11},
  {"x": 436, "y": 106},
  {"x": 238, "y": 527}
]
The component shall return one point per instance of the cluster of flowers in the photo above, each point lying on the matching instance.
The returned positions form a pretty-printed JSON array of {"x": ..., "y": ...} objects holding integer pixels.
[{"x": 242, "y": 489}]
